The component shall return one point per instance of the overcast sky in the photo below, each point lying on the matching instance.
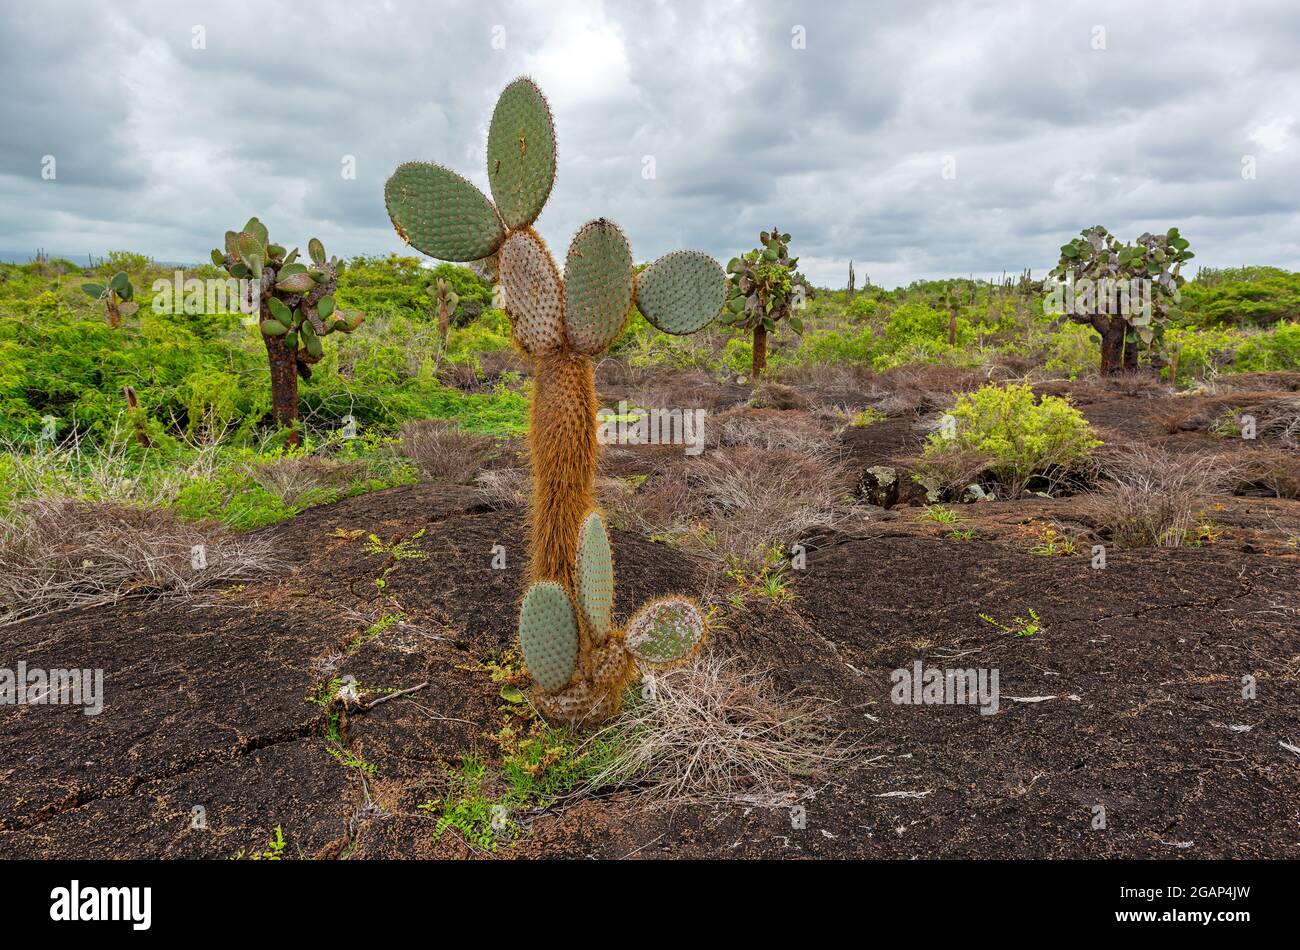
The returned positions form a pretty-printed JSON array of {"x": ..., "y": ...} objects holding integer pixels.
[{"x": 919, "y": 139}]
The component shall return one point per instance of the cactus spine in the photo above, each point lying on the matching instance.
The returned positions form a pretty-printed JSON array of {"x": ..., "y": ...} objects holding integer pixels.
[
  {"x": 579, "y": 659},
  {"x": 295, "y": 305}
]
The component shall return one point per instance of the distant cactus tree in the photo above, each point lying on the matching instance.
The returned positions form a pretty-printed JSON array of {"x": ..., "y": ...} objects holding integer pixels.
[
  {"x": 579, "y": 659},
  {"x": 762, "y": 290},
  {"x": 296, "y": 309},
  {"x": 117, "y": 296},
  {"x": 446, "y": 300},
  {"x": 1126, "y": 292},
  {"x": 852, "y": 282}
]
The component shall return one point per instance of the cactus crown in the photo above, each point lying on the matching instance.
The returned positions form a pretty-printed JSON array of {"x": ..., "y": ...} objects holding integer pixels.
[
  {"x": 298, "y": 298},
  {"x": 578, "y": 657},
  {"x": 763, "y": 285},
  {"x": 1097, "y": 254}
]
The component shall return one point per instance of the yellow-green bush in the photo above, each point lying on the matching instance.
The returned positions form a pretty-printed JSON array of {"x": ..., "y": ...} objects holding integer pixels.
[{"x": 1021, "y": 435}]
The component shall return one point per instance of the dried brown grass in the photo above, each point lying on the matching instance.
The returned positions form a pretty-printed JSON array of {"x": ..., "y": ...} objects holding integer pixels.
[
  {"x": 712, "y": 732},
  {"x": 62, "y": 553},
  {"x": 443, "y": 453},
  {"x": 1151, "y": 497}
]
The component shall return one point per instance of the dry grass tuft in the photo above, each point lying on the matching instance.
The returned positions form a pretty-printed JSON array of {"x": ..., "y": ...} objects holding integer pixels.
[
  {"x": 61, "y": 553},
  {"x": 293, "y": 479},
  {"x": 711, "y": 732},
  {"x": 733, "y": 503},
  {"x": 1267, "y": 471},
  {"x": 1152, "y": 497},
  {"x": 771, "y": 429},
  {"x": 778, "y": 396},
  {"x": 445, "y": 454},
  {"x": 503, "y": 488}
]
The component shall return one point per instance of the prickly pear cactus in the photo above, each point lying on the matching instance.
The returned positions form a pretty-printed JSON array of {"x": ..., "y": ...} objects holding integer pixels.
[
  {"x": 579, "y": 658},
  {"x": 446, "y": 300},
  {"x": 117, "y": 296},
  {"x": 297, "y": 308}
]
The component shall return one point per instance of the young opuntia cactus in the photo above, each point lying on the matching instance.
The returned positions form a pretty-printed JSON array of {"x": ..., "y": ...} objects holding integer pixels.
[
  {"x": 445, "y": 299},
  {"x": 116, "y": 294},
  {"x": 296, "y": 308},
  {"x": 578, "y": 657}
]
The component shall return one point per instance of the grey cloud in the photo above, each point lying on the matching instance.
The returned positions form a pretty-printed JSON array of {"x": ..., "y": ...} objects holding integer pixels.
[{"x": 161, "y": 147}]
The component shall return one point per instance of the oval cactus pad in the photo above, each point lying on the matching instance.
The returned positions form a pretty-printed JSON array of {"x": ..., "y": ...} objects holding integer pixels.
[
  {"x": 534, "y": 295},
  {"x": 665, "y": 631},
  {"x": 521, "y": 153},
  {"x": 548, "y": 634},
  {"x": 442, "y": 213},
  {"x": 595, "y": 577},
  {"x": 681, "y": 292},
  {"x": 598, "y": 283}
]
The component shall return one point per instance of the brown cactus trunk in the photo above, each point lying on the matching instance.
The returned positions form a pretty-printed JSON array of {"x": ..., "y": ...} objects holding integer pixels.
[
  {"x": 563, "y": 449},
  {"x": 284, "y": 383},
  {"x": 1117, "y": 356},
  {"x": 444, "y": 329},
  {"x": 759, "y": 362}
]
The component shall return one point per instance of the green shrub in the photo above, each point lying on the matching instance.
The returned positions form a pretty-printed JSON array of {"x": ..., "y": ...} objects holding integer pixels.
[
  {"x": 914, "y": 323},
  {"x": 1276, "y": 349},
  {"x": 850, "y": 346},
  {"x": 1241, "y": 296},
  {"x": 1202, "y": 352},
  {"x": 1071, "y": 350},
  {"x": 1022, "y": 436}
]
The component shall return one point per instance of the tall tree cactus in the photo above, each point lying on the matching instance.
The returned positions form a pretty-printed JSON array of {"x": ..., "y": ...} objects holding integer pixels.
[
  {"x": 296, "y": 308},
  {"x": 580, "y": 660},
  {"x": 764, "y": 288}
]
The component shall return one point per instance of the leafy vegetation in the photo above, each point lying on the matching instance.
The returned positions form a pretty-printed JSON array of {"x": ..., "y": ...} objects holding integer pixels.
[{"x": 1021, "y": 436}]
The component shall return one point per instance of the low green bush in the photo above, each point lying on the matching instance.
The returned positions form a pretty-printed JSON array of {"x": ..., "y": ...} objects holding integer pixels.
[{"x": 1021, "y": 435}]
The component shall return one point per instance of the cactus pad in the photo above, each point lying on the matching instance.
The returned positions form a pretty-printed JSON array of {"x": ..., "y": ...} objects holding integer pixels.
[
  {"x": 594, "y": 578},
  {"x": 548, "y": 633},
  {"x": 665, "y": 631},
  {"x": 534, "y": 294},
  {"x": 521, "y": 153},
  {"x": 681, "y": 292},
  {"x": 598, "y": 284},
  {"x": 441, "y": 213}
]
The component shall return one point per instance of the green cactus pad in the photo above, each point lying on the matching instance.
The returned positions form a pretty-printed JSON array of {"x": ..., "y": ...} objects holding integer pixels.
[
  {"x": 280, "y": 311},
  {"x": 548, "y": 634},
  {"x": 441, "y": 213},
  {"x": 521, "y": 153},
  {"x": 534, "y": 295},
  {"x": 598, "y": 285},
  {"x": 664, "y": 632},
  {"x": 594, "y": 579},
  {"x": 682, "y": 291}
]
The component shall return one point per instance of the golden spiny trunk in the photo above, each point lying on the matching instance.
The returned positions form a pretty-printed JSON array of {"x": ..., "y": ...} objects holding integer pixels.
[{"x": 562, "y": 444}]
